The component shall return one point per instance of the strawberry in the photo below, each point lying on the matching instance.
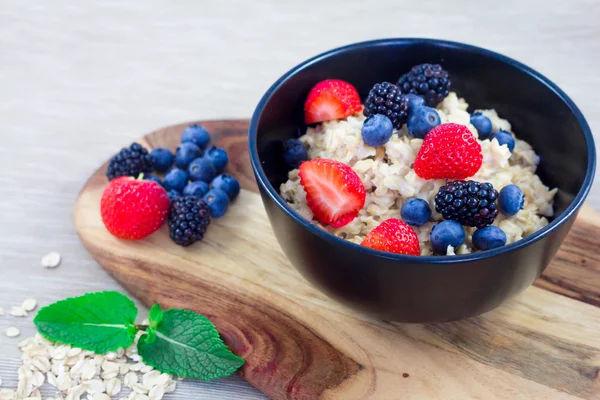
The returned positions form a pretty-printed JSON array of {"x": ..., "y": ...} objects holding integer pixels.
[
  {"x": 449, "y": 151},
  {"x": 334, "y": 192},
  {"x": 331, "y": 99},
  {"x": 393, "y": 236},
  {"x": 133, "y": 209}
]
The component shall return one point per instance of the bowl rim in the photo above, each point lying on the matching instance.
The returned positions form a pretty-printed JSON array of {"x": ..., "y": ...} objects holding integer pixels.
[{"x": 572, "y": 209}]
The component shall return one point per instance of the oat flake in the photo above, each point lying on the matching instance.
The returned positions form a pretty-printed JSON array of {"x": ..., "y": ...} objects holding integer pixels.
[
  {"x": 29, "y": 304},
  {"x": 51, "y": 260},
  {"x": 12, "y": 331},
  {"x": 17, "y": 311}
]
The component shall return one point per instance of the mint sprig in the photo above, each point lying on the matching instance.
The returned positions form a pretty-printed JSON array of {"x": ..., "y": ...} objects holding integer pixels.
[
  {"x": 175, "y": 341},
  {"x": 187, "y": 344},
  {"x": 100, "y": 322}
]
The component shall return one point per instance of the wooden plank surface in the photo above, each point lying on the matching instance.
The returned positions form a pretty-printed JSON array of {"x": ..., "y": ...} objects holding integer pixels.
[
  {"x": 80, "y": 79},
  {"x": 298, "y": 344}
]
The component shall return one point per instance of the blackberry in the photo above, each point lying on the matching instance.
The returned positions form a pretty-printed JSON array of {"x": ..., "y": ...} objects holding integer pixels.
[
  {"x": 188, "y": 220},
  {"x": 429, "y": 81},
  {"x": 130, "y": 161},
  {"x": 469, "y": 202},
  {"x": 385, "y": 98}
]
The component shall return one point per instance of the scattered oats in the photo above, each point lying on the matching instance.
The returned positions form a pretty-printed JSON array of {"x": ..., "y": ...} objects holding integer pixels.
[
  {"x": 156, "y": 393},
  {"x": 77, "y": 368},
  {"x": 146, "y": 368},
  {"x": 73, "y": 352},
  {"x": 60, "y": 353},
  {"x": 27, "y": 343},
  {"x": 137, "y": 367},
  {"x": 24, "y": 373},
  {"x": 170, "y": 386},
  {"x": 64, "y": 381},
  {"x": 12, "y": 331},
  {"x": 94, "y": 386},
  {"x": 52, "y": 379},
  {"x": 36, "y": 393},
  {"x": 124, "y": 369},
  {"x": 37, "y": 379},
  {"x": 110, "y": 366},
  {"x": 136, "y": 357},
  {"x": 130, "y": 379},
  {"x": 101, "y": 396},
  {"x": 113, "y": 387},
  {"x": 139, "y": 388},
  {"x": 17, "y": 311},
  {"x": 24, "y": 388},
  {"x": 29, "y": 304},
  {"x": 42, "y": 364},
  {"x": 75, "y": 392},
  {"x": 88, "y": 371},
  {"x": 51, "y": 260},
  {"x": 109, "y": 374},
  {"x": 7, "y": 394},
  {"x": 150, "y": 379}
]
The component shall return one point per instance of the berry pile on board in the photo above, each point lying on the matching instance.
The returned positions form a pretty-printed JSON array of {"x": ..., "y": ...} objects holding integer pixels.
[{"x": 193, "y": 189}]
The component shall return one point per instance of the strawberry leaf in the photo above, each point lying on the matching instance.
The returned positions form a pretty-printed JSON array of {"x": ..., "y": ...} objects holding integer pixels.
[
  {"x": 99, "y": 322},
  {"x": 187, "y": 344}
]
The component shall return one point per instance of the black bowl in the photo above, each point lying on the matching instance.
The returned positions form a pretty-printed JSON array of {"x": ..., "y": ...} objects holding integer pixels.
[{"x": 426, "y": 289}]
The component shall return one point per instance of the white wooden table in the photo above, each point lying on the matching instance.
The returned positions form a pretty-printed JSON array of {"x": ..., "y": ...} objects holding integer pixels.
[{"x": 80, "y": 79}]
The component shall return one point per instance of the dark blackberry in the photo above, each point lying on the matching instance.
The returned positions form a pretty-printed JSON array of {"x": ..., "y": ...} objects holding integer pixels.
[
  {"x": 130, "y": 161},
  {"x": 385, "y": 98},
  {"x": 188, "y": 220},
  {"x": 429, "y": 81},
  {"x": 469, "y": 202}
]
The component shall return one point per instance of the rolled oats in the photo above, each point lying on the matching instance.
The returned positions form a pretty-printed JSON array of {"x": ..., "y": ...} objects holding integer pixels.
[
  {"x": 17, "y": 311},
  {"x": 12, "y": 331},
  {"x": 113, "y": 387},
  {"x": 51, "y": 260},
  {"x": 29, "y": 304}
]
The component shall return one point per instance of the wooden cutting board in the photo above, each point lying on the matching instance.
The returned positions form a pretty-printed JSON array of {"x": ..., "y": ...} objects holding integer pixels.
[{"x": 299, "y": 344}]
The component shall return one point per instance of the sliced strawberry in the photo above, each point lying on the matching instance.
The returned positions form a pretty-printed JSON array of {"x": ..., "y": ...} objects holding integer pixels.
[
  {"x": 331, "y": 99},
  {"x": 393, "y": 236},
  {"x": 334, "y": 192}
]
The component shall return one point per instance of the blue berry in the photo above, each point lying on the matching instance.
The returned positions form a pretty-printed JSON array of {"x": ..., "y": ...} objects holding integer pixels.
[
  {"x": 510, "y": 200},
  {"x": 414, "y": 102},
  {"x": 422, "y": 120},
  {"x": 163, "y": 159},
  {"x": 415, "y": 212},
  {"x": 196, "y": 188},
  {"x": 217, "y": 156},
  {"x": 377, "y": 130},
  {"x": 202, "y": 169},
  {"x": 228, "y": 184},
  {"x": 217, "y": 202},
  {"x": 152, "y": 177},
  {"x": 196, "y": 134},
  {"x": 447, "y": 233},
  {"x": 173, "y": 194},
  {"x": 175, "y": 179},
  {"x": 294, "y": 153},
  {"x": 482, "y": 124},
  {"x": 186, "y": 153},
  {"x": 490, "y": 237},
  {"x": 504, "y": 137}
]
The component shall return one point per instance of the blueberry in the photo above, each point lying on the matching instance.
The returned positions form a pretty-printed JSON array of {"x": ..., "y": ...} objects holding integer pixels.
[
  {"x": 377, "y": 130},
  {"x": 173, "y": 194},
  {"x": 421, "y": 121},
  {"x": 482, "y": 124},
  {"x": 175, "y": 179},
  {"x": 228, "y": 184},
  {"x": 202, "y": 169},
  {"x": 294, "y": 153},
  {"x": 447, "y": 233},
  {"x": 217, "y": 202},
  {"x": 504, "y": 137},
  {"x": 163, "y": 159},
  {"x": 186, "y": 153},
  {"x": 152, "y": 177},
  {"x": 196, "y": 188},
  {"x": 415, "y": 212},
  {"x": 217, "y": 156},
  {"x": 414, "y": 102},
  {"x": 510, "y": 200},
  {"x": 489, "y": 237},
  {"x": 196, "y": 134}
]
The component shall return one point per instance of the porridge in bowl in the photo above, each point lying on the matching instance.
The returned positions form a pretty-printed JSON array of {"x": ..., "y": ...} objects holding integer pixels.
[{"x": 424, "y": 162}]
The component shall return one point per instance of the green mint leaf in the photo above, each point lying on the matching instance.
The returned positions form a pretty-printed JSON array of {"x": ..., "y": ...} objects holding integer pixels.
[
  {"x": 99, "y": 322},
  {"x": 155, "y": 315},
  {"x": 188, "y": 344}
]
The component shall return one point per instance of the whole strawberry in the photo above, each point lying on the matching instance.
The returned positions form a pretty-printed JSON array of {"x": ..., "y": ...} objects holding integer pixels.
[
  {"x": 393, "y": 236},
  {"x": 449, "y": 151},
  {"x": 133, "y": 209},
  {"x": 331, "y": 99}
]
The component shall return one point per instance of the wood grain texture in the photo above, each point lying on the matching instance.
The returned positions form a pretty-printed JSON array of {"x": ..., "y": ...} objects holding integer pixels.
[{"x": 298, "y": 344}]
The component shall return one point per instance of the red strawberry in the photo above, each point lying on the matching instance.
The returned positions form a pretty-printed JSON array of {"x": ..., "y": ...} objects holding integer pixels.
[
  {"x": 393, "y": 236},
  {"x": 449, "y": 151},
  {"x": 334, "y": 192},
  {"x": 331, "y": 99},
  {"x": 133, "y": 209}
]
